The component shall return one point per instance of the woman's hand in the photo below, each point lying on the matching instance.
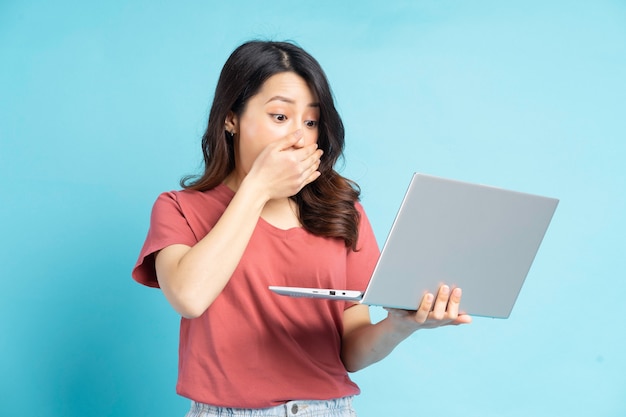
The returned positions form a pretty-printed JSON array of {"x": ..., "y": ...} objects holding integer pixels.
[
  {"x": 442, "y": 310},
  {"x": 285, "y": 166},
  {"x": 365, "y": 343}
]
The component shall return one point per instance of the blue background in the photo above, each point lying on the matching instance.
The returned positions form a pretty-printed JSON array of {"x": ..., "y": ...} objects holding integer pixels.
[{"x": 102, "y": 106}]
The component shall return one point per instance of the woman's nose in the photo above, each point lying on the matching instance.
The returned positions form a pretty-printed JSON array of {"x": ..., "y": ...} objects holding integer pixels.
[{"x": 310, "y": 137}]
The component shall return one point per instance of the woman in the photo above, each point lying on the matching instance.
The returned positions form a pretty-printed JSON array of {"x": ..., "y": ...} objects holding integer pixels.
[{"x": 270, "y": 209}]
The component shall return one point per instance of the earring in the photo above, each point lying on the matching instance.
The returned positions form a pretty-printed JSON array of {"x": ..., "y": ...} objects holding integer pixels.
[{"x": 230, "y": 134}]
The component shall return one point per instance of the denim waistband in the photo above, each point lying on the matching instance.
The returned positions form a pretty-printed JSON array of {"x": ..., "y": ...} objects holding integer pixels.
[{"x": 340, "y": 407}]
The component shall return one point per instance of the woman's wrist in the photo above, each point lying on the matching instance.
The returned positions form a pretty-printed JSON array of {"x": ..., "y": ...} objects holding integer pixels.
[
  {"x": 398, "y": 329},
  {"x": 254, "y": 193}
]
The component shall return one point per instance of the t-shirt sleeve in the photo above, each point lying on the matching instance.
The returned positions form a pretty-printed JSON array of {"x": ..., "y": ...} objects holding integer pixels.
[
  {"x": 361, "y": 263},
  {"x": 168, "y": 226}
]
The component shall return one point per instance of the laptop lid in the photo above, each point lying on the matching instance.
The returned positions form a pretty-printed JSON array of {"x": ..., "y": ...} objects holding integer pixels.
[{"x": 480, "y": 238}]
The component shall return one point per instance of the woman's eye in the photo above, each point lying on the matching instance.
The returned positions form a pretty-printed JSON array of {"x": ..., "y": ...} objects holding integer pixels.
[
  {"x": 279, "y": 117},
  {"x": 311, "y": 123}
]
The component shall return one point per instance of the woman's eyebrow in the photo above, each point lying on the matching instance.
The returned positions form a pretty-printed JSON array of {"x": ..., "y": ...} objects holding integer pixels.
[{"x": 290, "y": 101}]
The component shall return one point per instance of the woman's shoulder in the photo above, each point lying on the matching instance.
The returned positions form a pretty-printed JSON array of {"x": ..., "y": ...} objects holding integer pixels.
[
  {"x": 191, "y": 203},
  {"x": 360, "y": 209},
  {"x": 220, "y": 193},
  {"x": 197, "y": 210}
]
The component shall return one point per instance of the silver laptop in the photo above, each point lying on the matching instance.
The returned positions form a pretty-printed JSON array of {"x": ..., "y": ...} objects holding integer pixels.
[{"x": 480, "y": 238}]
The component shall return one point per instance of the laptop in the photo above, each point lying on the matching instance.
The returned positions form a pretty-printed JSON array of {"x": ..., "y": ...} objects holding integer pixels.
[{"x": 477, "y": 237}]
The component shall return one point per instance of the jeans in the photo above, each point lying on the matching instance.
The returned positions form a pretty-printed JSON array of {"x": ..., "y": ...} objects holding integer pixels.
[{"x": 341, "y": 407}]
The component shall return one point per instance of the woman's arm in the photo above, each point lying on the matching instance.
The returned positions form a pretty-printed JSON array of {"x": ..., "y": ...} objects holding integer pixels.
[
  {"x": 192, "y": 277},
  {"x": 365, "y": 343}
]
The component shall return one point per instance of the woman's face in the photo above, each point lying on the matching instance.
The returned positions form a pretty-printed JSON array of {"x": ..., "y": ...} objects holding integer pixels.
[{"x": 284, "y": 104}]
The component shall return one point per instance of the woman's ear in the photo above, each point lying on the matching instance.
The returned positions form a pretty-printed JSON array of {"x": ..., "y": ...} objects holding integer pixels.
[{"x": 231, "y": 124}]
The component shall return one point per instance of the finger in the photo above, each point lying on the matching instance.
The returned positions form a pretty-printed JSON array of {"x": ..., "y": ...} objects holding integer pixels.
[
  {"x": 454, "y": 303},
  {"x": 421, "y": 315},
  {"x": 314, "y": 175},
  {"x": 311, "y": 165},
  {"x": 292, "y": 140},
  {"x": 315, "y": 158},
  {"x": 441, "y": 303},
  {"x": 307, "y": 154},
  {"x": 313, "y": 172},
  {"x": 462, "y": 319}
]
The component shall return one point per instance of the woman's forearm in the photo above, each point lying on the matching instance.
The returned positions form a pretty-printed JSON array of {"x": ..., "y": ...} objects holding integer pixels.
[
  {"x": 365, "y": 343},
  {"x": 371, "y": 343}
]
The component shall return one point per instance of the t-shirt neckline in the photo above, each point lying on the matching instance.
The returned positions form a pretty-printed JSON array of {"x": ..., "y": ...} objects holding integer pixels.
[{"x": 223, "y": 188}]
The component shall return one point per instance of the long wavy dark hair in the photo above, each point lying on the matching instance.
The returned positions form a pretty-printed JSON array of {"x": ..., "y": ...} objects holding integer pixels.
[{"x": 326, "y": 206}]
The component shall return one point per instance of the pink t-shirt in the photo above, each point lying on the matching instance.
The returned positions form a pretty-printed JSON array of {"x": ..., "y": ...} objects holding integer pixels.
[{"x": 252, "y": 348}]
